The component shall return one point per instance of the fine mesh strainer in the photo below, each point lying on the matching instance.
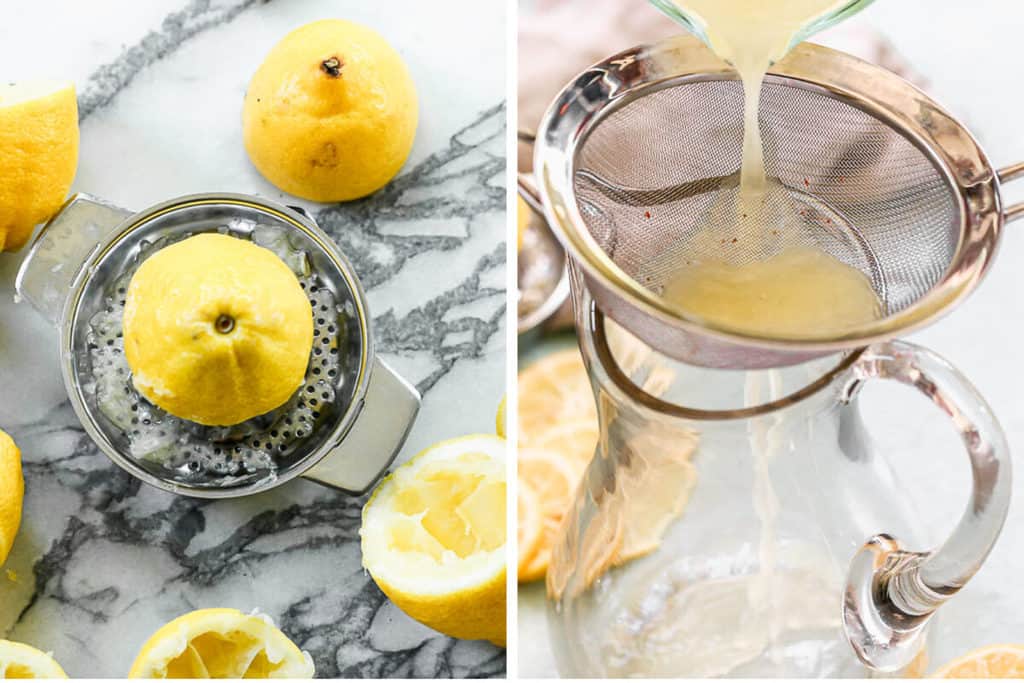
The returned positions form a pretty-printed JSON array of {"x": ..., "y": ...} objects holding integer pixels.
[
  {"x": 633, "y": 156},
  {"x": 342, "y": 428}
]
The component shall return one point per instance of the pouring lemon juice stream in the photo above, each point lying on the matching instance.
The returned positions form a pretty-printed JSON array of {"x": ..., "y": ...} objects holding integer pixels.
[{"x": 766, "y": 282}]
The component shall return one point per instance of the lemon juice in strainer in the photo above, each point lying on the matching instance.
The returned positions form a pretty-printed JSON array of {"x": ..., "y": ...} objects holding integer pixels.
[{"x": 762, "y": 277}]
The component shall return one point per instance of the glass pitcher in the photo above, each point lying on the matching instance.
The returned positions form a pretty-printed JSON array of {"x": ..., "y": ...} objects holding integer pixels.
[
  {"x": 695, "y": 25},
  {"x": 730, "y": 522}
]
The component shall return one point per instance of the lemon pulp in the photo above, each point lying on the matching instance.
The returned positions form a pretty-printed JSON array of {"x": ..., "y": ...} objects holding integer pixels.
[
  {"x": 220, "y": 643},
  {"x": 449, "y": 510},
  {"x": 18, "y": 660}
]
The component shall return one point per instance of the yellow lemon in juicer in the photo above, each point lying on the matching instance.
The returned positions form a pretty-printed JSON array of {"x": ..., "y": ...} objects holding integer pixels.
[
  {"x": 217, "y": 330},
  {"x": 331, "y": 113}
]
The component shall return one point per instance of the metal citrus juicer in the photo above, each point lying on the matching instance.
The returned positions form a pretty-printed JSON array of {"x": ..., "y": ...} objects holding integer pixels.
[
  {"x": 629, "y": 160},
  {"x": 342, "y": 428}
]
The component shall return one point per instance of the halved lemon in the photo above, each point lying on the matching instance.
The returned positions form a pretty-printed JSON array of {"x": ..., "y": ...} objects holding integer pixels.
[
  {"x": 38, "y": 155},
  {"x": 221, "y": 643},
  {"x": 501, "y": 419},
  {"x": 24, "y": 661},
  {"x": 433, "y": 537},
  {"x": 12, "y": 493},
  {"x": 994, "y": 661}
]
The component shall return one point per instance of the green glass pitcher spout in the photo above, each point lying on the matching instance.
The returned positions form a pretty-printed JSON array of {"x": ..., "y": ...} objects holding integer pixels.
[{"x": 695, "y": 24}]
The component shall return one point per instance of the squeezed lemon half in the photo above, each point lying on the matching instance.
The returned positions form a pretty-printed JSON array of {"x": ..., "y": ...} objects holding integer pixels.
[
  {"x": 433, "y": 537},
  {"x": 221, "y": 643},
  {"x": 18, "y": 660}
]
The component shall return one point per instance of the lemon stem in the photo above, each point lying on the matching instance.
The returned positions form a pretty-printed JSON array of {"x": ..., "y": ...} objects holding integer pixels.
[
  {"x": 224, "y": 323},
  {"x": 332, "y": 66}
]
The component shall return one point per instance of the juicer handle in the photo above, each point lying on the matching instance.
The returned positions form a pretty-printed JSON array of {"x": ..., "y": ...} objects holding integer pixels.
[
  {"x": 377, "y": 434},
  {"x": 64, "y": 244},
  {"x": 1007, "y": 174},
  {"x": 892, "y": 592}
]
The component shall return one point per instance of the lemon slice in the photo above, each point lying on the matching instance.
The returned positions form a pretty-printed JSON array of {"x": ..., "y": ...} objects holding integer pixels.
[
  {"x": 574, "y": 440},
  {"x": 23, "y": 661},
  {"x": 994, "y": 661},
  {"x": 530, "y": 530},
  {"x": 654, "y": 490},
  {"x": 554, "y": 391},
  {"x": 12, "y": 491},
  {"x": 554, "y": 480},
  {"x": 38, "y": 155},
  {"x": 433, "y": 537},
  {"x": 221, "y": 643}
]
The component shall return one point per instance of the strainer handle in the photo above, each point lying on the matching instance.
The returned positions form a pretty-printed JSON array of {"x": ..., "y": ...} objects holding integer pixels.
[
  {"x": 1006, "y": 175},
  {"x": 61, "y": 249},
  {"x": 375, "y": 438},
  {"x": 892, "y": 592}
]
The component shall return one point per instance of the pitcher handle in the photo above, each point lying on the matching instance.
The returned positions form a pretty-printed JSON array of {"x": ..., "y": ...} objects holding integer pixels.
[
  {"x": 376, "y": 436},
  {"x": 891, "y": 592},
  {"x": 64, "y": 244}
]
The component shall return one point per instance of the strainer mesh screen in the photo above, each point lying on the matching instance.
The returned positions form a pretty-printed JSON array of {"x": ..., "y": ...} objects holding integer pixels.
[{"x": 650, "y": 175}]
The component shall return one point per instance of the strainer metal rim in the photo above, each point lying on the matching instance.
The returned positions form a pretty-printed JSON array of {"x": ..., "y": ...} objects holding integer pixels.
[
  {"x": 138, "y": 219},
  {"x": 956, "y": 154}
]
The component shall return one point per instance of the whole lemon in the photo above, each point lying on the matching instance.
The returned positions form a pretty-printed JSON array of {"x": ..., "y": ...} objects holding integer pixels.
[
  {"x": 217, "y": 330},
  {"x": 12, "y": 492},
  {"x": 38, "y": 156},
  {"x": 331, "y": 113}
]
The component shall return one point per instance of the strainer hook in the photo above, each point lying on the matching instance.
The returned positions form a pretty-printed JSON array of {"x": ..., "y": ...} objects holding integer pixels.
[{"x": 1006, "y": 175}]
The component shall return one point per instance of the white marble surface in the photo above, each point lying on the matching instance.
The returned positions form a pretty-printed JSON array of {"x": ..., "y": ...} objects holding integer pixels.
[
  {"x": 971, "y": 55},
  {"x": 102, "y": 561}
]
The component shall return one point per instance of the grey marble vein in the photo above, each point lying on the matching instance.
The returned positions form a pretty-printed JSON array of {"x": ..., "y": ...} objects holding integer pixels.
[
  {"x": 330, "y": 522},
  {"x": 475, "y": 158},
  {"x": 176, "y": 28}
]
